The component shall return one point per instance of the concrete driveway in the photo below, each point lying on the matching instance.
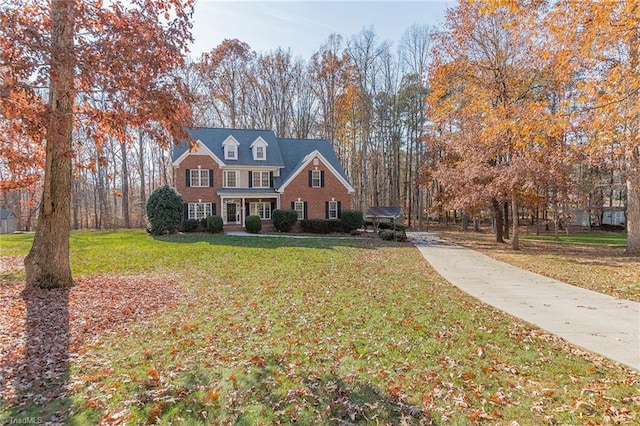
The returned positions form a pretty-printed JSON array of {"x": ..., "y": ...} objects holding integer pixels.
[{"x": 594, "y": 321}]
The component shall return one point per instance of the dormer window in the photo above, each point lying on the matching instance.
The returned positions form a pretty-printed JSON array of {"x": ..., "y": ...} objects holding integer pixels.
[
  {"x": 231, "y": 153},
  {"x": 230, "y": 147},
  {"x": 259, "y": 149}
]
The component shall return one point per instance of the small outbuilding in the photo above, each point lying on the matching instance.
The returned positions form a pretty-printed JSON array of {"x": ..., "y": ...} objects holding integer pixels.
[
  {"x": 375, "y": 215},
  {"x": 8, "y": 221}
]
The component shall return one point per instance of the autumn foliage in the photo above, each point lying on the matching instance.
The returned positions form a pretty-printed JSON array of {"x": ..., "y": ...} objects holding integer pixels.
[{"x": 521, "y": 91}]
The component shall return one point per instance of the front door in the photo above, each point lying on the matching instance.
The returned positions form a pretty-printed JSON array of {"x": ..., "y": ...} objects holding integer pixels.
[{"x": 231, "y": 213}]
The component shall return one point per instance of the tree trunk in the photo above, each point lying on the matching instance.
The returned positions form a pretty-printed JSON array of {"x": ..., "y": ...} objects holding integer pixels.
[
  {"x": 506, "y": 219},
  {"x": 47, "y": 265},
  {"x": 143, "y": 194},
  {"x": 633, "y": 207},
  {"x": 633, "y": 161},
  {"x": 497, "y": 212},
  {"x": 126, "y": 221},
  {"x": 515, "y": 240}
]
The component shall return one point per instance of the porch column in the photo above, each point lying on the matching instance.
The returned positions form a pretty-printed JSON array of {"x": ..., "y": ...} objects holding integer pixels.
[{"x": 242, "y": 212}]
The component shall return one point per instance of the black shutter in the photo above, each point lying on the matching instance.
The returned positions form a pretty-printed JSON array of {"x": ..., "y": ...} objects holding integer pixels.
[
  {"x": 322, "y": 178},
  {"x": 310, "y": 178},
  {"x": 304, "y": 215},
  {"x": 339, "y": 210},
  {"x": 326, "y": 210},
  {"x": 270, "y": 179},
  {"x": 293, "y": 205},
  {"x": 185, "y": 211},
  {"x": 211, "y": 177},
  {"x": 250, "y": 179},
  {"x": 213, "y": 209},
  {"x": 188, "y": 178}
]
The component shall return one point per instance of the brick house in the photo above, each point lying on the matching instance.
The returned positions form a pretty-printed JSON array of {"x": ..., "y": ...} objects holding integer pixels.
[{"x": 234, "y": 173}]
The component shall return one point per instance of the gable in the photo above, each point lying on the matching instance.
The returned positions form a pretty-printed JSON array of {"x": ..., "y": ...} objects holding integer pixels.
[
  {"x": 199, "y": 148},
  {"x": 315, "y": 158}
]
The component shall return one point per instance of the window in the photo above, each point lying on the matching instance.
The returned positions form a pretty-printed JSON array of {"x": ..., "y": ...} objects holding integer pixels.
[
  {"x": 230, "y": 179},
  {"x": 298, "y": 206},
  {"x": 333, "y": 210},
  {"x": 316, "y": 179},
  {"x": 230, "y": 152},
  {"x": 230, "y": 147},
  {"x": 261, "y": 179},
  {"x": 260, "y": 209},
  {"x": 199, "y": 210},
  {"x": 258, "y": 148},
  {"x": 199, "y": 177}
]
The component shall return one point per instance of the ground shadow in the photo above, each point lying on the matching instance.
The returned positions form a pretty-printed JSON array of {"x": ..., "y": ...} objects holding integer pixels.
[
  {"x": 35, "y": 376},
  {"x": 279, "y": 241},
  {"x": 330, "y": 399}
]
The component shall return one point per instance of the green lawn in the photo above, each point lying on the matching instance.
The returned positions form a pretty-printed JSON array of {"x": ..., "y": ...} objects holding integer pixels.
[
  {"x": 318, "y": 331},
  {"x": 609, "y": 238}
]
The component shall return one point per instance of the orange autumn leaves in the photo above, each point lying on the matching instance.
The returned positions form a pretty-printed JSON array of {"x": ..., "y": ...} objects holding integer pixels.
[{"x": 521, "y": 91}]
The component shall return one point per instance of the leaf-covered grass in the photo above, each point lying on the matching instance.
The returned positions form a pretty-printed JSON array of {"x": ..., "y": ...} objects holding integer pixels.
[
  {"x": 598, "y": 238},
  {"x": 321, "y": 331},
  {"x": 594, "y": 261}
]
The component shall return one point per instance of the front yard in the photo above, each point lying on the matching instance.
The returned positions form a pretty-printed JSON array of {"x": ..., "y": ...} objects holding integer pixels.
[{"x": 260, "y": 330}]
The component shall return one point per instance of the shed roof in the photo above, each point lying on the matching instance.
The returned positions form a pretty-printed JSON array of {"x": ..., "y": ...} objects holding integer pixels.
[
  {"x": 6, "y": 213},
  {"x": 384, "y": 211}
]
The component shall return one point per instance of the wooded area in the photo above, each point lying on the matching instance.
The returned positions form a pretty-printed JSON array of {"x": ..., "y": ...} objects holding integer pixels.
[{"x": 512, "y": 108}]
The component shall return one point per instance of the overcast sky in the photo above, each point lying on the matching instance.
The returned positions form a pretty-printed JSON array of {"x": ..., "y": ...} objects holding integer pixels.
[{"x": 304, "y": 25}]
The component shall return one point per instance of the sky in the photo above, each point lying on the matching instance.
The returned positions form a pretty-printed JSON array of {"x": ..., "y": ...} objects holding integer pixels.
[{"x": 304, "y": 25}]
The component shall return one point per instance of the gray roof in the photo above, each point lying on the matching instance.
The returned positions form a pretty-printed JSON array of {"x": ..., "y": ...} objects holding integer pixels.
[
  {"x": 213, "y": 138},
  {"x": 4, "y": 213},
  {"x": 289, "y": 154},
  {"x": 295, "y": 150},
  {"x": 385, "y": 211}
]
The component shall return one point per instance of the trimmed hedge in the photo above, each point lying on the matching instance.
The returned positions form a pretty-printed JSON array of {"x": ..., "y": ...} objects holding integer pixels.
[
  {"x": 190, "y": 225},
  {"x": 284, "y": 220},
  {"x": 351, "y": 220},
  {"x": 321, "y": 226},
  {"x": 253, "y": 224},
  {"x": 164, "y": 210},
  {"x": 391, "y": 235},
  {"x": 215, "y": 224}
]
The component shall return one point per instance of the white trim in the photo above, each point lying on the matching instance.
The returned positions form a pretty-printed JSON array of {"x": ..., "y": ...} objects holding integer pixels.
[
  {"x": 259, "y": 142},
  {"x": 306, "y": 162},
  {"x": 335, "y": 203},
  {"x": 260, "y": 172},
  {"x": 200, "y": 149},
  {"x": 225, "y": 179},
  {"x": 230, "y": 141}
]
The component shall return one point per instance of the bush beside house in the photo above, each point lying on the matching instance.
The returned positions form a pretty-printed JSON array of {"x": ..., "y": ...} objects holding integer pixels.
[
  {"x": 164, "y": 210},
  {"x": 252, "y": 224},
  {"x": 284, "y": 219}
]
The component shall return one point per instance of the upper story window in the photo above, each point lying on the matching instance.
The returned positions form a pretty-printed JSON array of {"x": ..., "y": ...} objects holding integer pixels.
[
  {"x": 231, "y": 153},
  {"x": 230, "y": 146},
  {"x": 199, "y": 177},
  {"x": 316, "y": 178},
  {"x": 230, "y": 178},
  {"x": 261, "y": 179},
  {"x": 259, "y": 149}
]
